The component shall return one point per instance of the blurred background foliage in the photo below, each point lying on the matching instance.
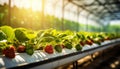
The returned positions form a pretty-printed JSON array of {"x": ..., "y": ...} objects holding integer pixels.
[{"x": 27, "y": 18}]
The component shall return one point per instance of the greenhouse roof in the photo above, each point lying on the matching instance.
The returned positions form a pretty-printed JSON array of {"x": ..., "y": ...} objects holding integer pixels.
[{"x": 104, "y": 9}]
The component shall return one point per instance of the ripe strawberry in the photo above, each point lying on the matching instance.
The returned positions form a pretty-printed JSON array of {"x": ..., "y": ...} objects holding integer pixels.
[
  {"x": 63, "y": 46},
  {"x": 82, "y": 43},
  {"x": 49, "y": 49},
  {"x": 89, "y": 42},
  {"x": 9, "y": 52},
  {"x": 92, "y": 40},
  {"x": 12, "y": 47},
  {"x": 21, "y": 49},
  {"x": 107, "y": 38}
]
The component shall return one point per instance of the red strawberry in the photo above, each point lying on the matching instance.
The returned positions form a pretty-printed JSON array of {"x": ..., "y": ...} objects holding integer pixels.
[
  {"x": 92, "y": 40},
  {"x": 49, "y": 49},
  {"x": 82, "y": 43},
  {"x": 9, "y": 52},
  {"x": 21, "y": 48},
  {"x": 107, "y": 38},
  {"x": 12, "y": 47},
  {"x": 89, "y": 42},
  {"x": 62, "y": 45}
]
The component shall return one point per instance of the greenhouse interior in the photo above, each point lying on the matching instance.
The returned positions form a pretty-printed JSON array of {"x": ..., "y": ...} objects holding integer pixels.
[{"x": 59, "y": 34}]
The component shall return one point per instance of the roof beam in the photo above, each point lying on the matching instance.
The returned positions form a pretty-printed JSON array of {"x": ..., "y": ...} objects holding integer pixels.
[
  {"x": 83, "y": 7},
  {"x": 100, "y": 4}
]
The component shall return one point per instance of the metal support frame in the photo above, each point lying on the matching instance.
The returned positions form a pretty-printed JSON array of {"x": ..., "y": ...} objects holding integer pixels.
[
  {"x": 78, "y": 14},
  {"x": 62, "y": 26},
  {"x": 75, "y": 65},
  {"x": 92, "y": 58},
  {"x": 9, "y": 13},
  {"x": 63, "y": 8},
  {"x": 103, "y": 4},
  {"x": 100, "y": 29},
  {"x": 42, "y": 15},
  {"x": 54, "y": 8},
  {"x": 99, "y": 13},
  {"x": 83, "y": 7},
  {"x": 87, "y": 22}
]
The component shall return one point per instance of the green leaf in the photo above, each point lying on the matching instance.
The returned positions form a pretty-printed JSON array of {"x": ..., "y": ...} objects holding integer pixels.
[
  {"x": 20, "y": 35},
  {"x": 9, "y": 32},
  {"x": 47, "y": 39},
  {"x": 31, "y": 34},
  {"x": 2, "y": 36}
]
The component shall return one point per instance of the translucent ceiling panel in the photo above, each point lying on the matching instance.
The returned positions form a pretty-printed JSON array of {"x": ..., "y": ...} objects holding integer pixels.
[
  {"x": 68, "y": 6},
  {"x": 100, "y": 8},
  {"x": 58, "y": 12},
  {"x": 72, "y": 13},
  {"x": 53, "y": 7},
  {"x": 49, "y": 9},
  {"x": 88, "y": 2},
  {"x": 91, "y": 16},
  {"x": 83, "y": 2},
  {"x": 111, "y": 1},
  {"x": 93, "y": 8},
  {"x": 71, "y": 7},
  {"x": 67, "y": 15},
  {"x": 82, "y": 19},
  {"x": 3, "y": 1},
  {"x": 102, "y": 1},
  {"x": 33, "y": 4},
  {"x": 84, "y": 13}
]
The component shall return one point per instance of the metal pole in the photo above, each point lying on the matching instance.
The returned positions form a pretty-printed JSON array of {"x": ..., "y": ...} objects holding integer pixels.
[
  {"x": 87, "y": 22},
  {"x": 54, "y": 10},
  {"x": 9, "y": 13},
  {"x": 42, "y": 15},
  {"x": 78, "y": 12},
  {"x": 62, "y": 26},
  {"x": 31, "y": 20}
]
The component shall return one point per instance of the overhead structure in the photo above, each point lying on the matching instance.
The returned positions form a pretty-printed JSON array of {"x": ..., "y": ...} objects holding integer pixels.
[{"x": 103, "y": 9}]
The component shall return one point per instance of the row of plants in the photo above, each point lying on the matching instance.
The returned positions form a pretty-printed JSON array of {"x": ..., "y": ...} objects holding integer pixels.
[{"x": 21, "y": 40}]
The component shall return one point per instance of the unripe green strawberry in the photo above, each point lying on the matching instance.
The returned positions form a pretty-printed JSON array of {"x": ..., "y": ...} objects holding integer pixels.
[
  {"x": 58, "y": 48},
  {"x": 29, "y": 51},
  {"x": 68, "y": 45},
  {"x": 97, "y": 41},
  {"x": 78, "y": 47}
]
